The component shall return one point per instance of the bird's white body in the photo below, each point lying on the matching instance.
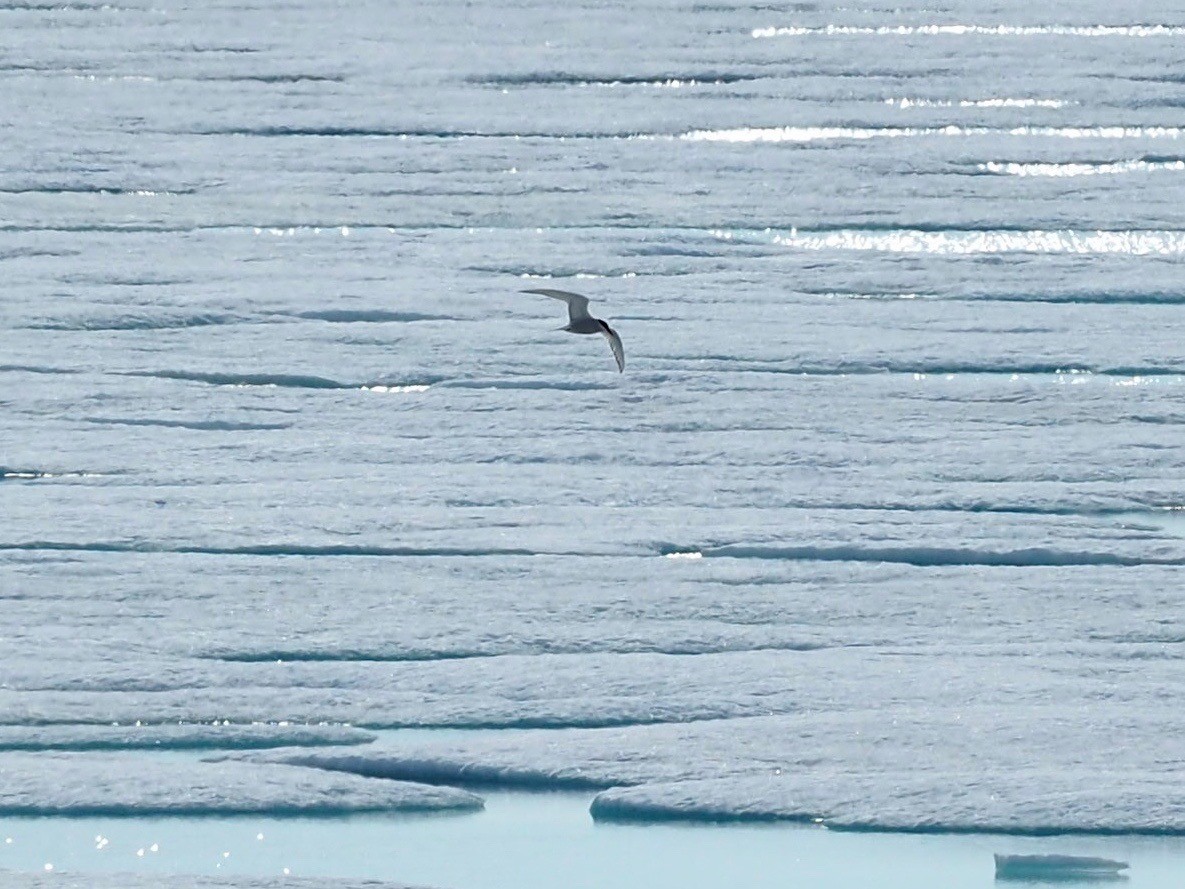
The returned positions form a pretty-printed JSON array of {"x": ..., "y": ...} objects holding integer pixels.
[{"x": 580, "y": 321}]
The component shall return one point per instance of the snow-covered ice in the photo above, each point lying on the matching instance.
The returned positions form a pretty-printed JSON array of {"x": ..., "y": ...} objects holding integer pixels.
[
  {"x": 174, "y": 736},
  {"x": 882, "y": 527},
  {"x": 941, "y": 763},
  {"x": 105, "y": 784}
]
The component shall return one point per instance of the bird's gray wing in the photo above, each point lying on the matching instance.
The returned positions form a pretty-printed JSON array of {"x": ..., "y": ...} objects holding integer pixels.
[
  {"x": 577, "y": 304},
  {"x": 615, "y": 345}
]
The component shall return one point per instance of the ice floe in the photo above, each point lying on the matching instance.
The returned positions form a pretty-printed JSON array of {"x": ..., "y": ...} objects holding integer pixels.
[
  {"x": 176, "y": 736},
  {"x": 965, "y": 767},
  {"x": 105, "y": 784}
]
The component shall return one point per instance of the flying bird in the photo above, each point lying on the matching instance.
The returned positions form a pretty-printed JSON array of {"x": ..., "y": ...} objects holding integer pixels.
[{"x": 580, "y": 321}]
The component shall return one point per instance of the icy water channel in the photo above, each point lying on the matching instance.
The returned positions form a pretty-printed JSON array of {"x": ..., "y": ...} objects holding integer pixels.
[{"x": 541, "y": 840}]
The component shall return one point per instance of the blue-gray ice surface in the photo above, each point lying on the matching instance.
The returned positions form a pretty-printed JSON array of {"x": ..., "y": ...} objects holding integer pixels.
[
  {"x": 107, "y": 784},
  {"x": 174, "y": 736},
  {"x": 882, "y": 527}
]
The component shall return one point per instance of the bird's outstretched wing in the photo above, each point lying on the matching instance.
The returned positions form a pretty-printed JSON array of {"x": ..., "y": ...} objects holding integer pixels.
[
  {"x": 577, "y": 304},
  {"x": 615, "y": 345}
]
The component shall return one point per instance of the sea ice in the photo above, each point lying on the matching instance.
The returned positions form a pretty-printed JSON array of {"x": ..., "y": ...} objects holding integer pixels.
[
  {"x": 107, "y": 784},
  {"x": 894, "y": 767},
  {"x": 175, "y": 736},
  {"x": 1056, "y": 868},
  {"x": 280, "y": 441}
]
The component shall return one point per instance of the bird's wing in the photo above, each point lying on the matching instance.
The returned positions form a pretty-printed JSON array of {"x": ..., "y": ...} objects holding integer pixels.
[
  {"x": 615, "y": 345},
  {"x": 577, "y": 304}
]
